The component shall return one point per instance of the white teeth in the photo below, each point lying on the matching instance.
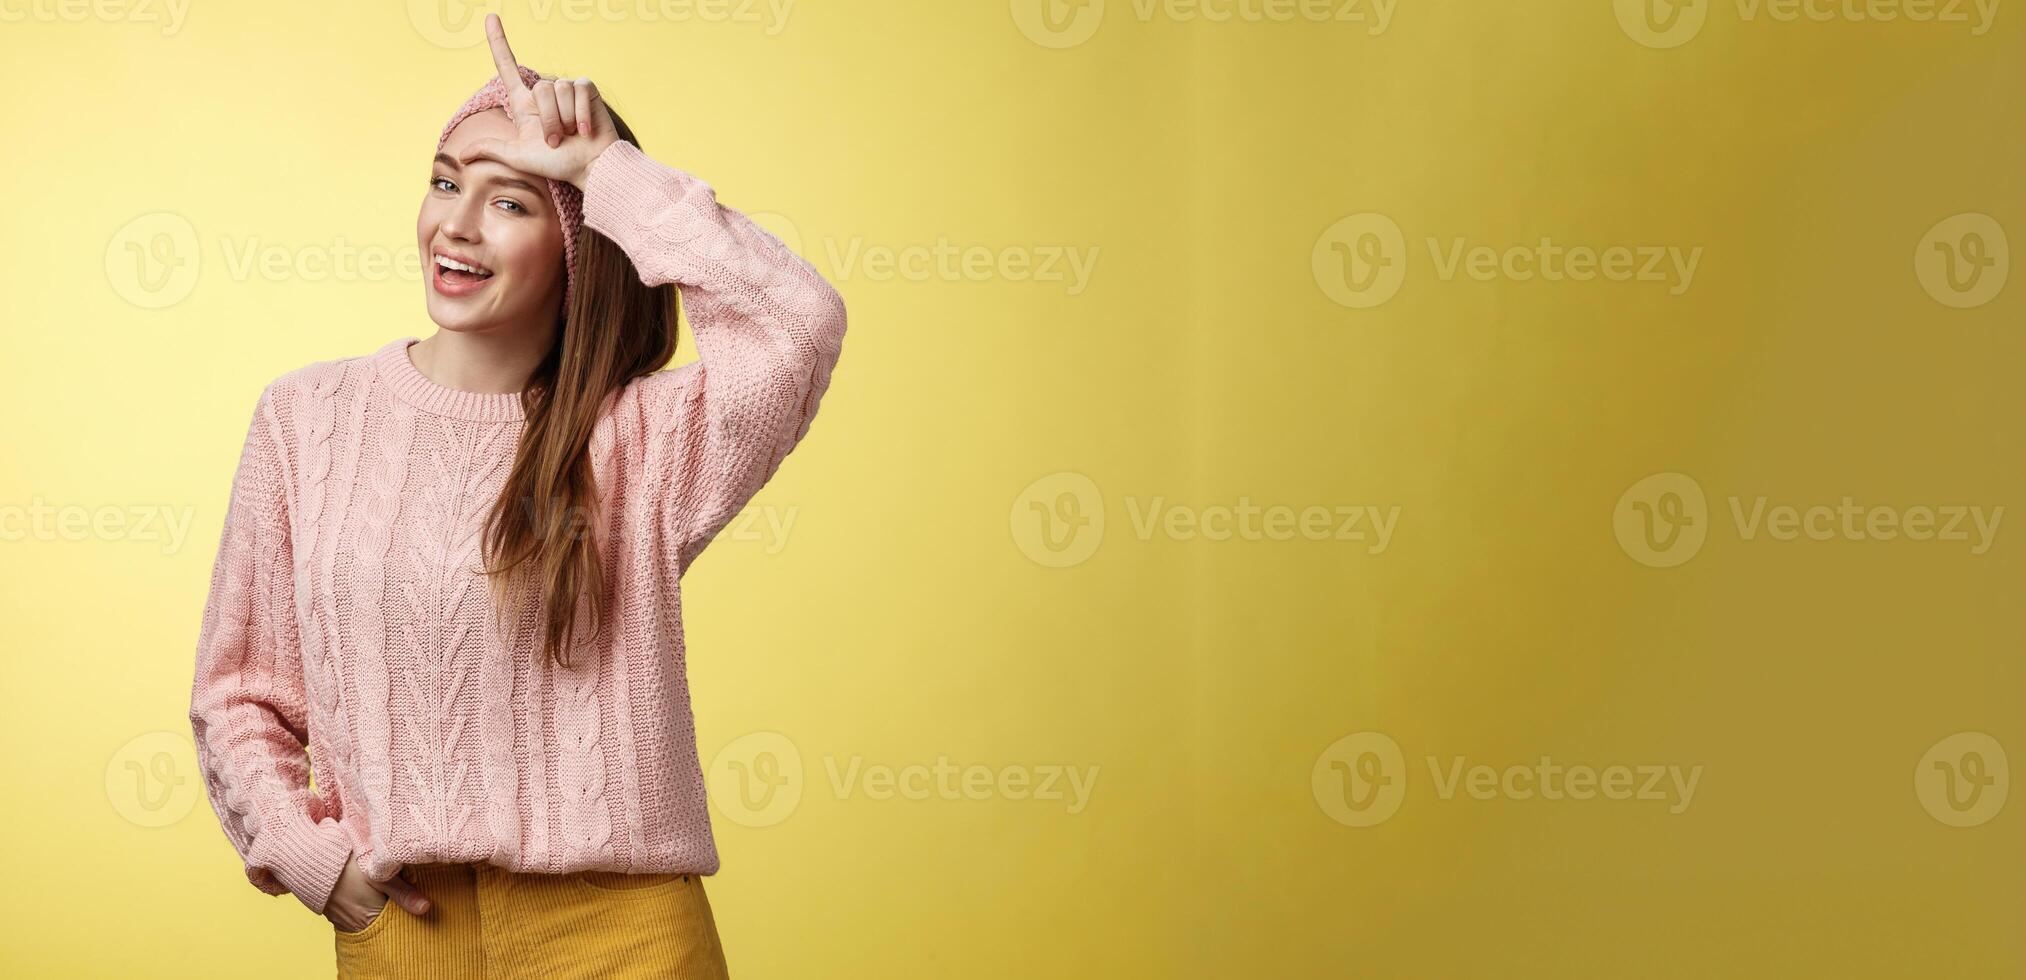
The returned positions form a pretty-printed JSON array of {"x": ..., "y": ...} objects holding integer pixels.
[{"x": 450, "y": 263}]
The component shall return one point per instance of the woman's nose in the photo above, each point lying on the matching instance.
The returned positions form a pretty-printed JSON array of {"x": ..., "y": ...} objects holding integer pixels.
[{"x": 462, "y": 220}]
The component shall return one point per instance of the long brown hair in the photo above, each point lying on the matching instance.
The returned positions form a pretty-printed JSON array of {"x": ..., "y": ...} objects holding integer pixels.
[{"x": 615, "y": 329}]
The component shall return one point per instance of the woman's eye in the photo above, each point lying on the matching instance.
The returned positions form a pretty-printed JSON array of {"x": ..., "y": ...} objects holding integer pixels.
[{"x": 444, "y": 184}]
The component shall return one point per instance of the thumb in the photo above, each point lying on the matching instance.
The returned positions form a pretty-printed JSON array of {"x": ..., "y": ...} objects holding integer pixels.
[{"x": 411, "y": 898}]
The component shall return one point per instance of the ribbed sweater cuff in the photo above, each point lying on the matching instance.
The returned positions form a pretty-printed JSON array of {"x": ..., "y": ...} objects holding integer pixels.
[
  {"x": 624, "y": 184},
  {"x": 306, "y": 858}
]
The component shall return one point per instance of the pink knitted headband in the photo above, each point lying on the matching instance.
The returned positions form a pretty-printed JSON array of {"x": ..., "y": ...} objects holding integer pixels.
[{"x": 569, "y": 201}]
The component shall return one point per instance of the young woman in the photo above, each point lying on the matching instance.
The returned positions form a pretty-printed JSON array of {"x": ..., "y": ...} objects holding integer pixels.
[{"x": 450, "y": 568}]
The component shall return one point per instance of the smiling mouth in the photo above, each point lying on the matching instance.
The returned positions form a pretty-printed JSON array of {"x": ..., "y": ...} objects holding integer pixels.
[{"x": 460, "y": 273}]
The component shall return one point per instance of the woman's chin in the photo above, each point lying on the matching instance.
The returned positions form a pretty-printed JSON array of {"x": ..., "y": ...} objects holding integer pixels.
[
  {"x": 451, "y": 314},
  {"x": 474, "y": 313}
]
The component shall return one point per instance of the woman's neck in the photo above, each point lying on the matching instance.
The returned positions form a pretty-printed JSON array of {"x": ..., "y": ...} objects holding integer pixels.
[{"x": 483, "y": 363}]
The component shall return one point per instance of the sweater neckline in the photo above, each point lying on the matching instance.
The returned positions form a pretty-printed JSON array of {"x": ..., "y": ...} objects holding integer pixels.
[{"x": 412, "y": 386}]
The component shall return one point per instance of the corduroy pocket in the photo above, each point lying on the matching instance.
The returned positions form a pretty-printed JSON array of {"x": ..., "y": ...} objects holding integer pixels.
[{"x": 372, "y": 928}]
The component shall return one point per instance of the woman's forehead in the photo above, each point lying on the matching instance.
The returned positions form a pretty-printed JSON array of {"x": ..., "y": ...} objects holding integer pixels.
[{"x": 490, "y": 122}]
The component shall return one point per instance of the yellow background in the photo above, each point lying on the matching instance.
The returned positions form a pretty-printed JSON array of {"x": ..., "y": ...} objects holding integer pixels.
[{"x": 905, "y": 616}]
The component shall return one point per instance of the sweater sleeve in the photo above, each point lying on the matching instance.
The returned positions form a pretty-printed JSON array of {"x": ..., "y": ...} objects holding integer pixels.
[
  {"x": 768, "y": 330},
  {"x": 247, "y": 703}
]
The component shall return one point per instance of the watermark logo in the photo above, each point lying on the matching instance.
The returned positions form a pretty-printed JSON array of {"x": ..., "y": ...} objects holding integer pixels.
[
  {"x": 153, "y": 260},
  {"x": 1962, "y": 780},
  {"x": 1361, "y": 260},
  {"x": 1361, "y": 779},
  {"x": 1058, "y": 520},
  {"x": 1068, "y": 785},
  {"x": 1068, "y": 23},
  {"x": 1964, "y": 260},
  {"x": 1665, "y": 24},
  {"x": 1662, "y": 24},
  {"x": 946, "y": 261},
  {"x": 1670, "y": 784},
  {"x": 767, "y": 527},
  {"x": 153, "y": 780},
  {"x": 171, "y": 14},
  {"x": 452, "y": 24},
  {"x": 1662, "y": 520},
  {"x": 1979, "y": 14},
  {"x": 756, "y": 779},
  {"x": 40, "y": 521},
  {"x": 780, "y": 226},
  {"x": 156, "y": 260},
  {"x": 941, "y": 260},
  {"x": 1367, "y": 524},
  {"x": 1058, "y": 23}
]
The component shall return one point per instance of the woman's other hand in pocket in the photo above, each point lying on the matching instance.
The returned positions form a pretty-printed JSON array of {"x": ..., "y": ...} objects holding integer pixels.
[{"x": 357, "y": 900}]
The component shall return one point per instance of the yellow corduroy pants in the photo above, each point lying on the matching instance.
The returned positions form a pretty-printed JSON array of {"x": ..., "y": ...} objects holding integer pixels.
[{"x": 486, "y": 921}]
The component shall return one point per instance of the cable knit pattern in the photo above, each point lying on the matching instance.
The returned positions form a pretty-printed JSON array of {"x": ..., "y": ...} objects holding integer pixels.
[{"x": 349, "y": 626}]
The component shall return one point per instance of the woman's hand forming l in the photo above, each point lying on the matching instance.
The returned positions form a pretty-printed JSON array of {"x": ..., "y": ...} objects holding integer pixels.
[
  {"x": 562, "y": 124},
  {"x": 357, "y": 900}
]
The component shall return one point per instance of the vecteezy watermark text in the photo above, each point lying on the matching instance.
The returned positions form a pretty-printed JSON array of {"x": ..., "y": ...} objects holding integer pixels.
[
  {"x": 1068, "y": 23},
  {"x": 1663, "y": 24},
  {"x": 1361, "y": 261},
  {"x": 1663, "y": 520},
  {"x": 1361, "y": 780},
  {"x": 758, "y": 780},
  {"x": 1059, "y": 520}
]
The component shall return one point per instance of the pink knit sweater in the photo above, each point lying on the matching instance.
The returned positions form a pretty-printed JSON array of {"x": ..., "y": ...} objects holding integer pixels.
[{"x": 347, "y": 615}]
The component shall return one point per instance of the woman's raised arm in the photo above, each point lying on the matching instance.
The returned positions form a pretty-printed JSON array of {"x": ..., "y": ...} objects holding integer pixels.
[{"x": 768, "y": 327}]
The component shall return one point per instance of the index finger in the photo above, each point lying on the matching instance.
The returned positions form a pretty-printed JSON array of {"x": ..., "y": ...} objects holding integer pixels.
[{"x": 503, "y": 56}]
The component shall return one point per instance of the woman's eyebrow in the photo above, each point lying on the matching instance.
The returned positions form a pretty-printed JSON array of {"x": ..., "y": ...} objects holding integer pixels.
[{"x": 451, "y": 162}]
